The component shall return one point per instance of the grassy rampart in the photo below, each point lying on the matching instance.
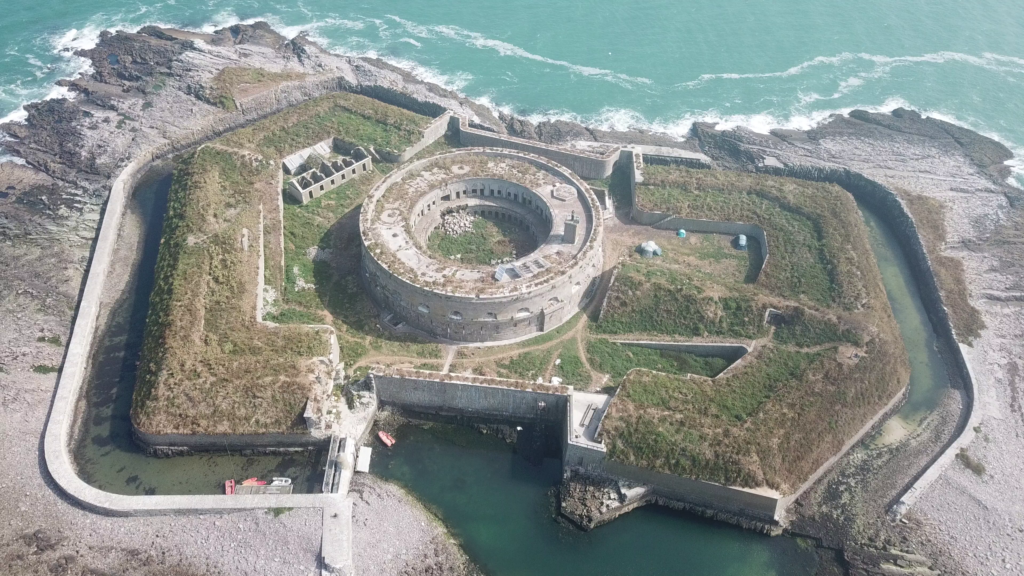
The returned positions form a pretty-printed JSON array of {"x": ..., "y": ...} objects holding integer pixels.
[
  {"x": 823, "y": 367},
  {"x": 207, "y": 365}
]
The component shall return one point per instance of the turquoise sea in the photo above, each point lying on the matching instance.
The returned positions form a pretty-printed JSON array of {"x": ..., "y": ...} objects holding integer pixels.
[{"x": 658, "y": 64}]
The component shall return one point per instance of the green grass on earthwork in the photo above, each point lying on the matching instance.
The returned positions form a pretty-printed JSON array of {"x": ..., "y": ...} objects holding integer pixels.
[
  {"x": 207, "y": 365},
  {"x": 832, "y": 361},
  {"x": 618, "y": 359},
  {"x": 811, "y": 228},
  {"x": 648, "y": 298},
  {"x": 570, "y": 368},
  {"x": 488, "y": 241},
  {"x": 526, "y": 366}
]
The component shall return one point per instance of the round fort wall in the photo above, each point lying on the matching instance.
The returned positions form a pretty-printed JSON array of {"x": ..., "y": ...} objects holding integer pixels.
[{"x": 526, "y": 306}]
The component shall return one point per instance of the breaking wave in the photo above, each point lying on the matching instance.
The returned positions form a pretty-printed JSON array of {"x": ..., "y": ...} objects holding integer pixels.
[{"x": 479, "y": 41}]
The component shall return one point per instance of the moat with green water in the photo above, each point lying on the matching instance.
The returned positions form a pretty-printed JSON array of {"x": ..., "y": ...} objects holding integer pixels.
[{"x": 498, "y": 504}]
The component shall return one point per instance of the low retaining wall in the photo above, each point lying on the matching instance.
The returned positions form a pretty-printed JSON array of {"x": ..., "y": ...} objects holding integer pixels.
[
  {"x": 732, "y": 352},
  {"x": 162, "y": 444},
  {"x": 891, "y": 209},
  {"x": 663, "y": 221},
  {"x": 427, "y": 393},
  {"x": 585, "y": 165},
  {"x": 436, "y": 129}
]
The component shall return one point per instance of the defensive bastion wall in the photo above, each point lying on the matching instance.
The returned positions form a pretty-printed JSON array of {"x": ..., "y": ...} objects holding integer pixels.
[
  {"x": 663, "y": 221},
  {"x": 586, "y": 165},
  {"x": 891, "y": 210},
  {"x": 60, "y": 427},
  {"x": 469, "y": 396}
]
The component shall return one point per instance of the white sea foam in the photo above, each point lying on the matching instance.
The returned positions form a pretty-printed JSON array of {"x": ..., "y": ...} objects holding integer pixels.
[
  {"x": 881, "y": 65},
  {"x": 9, "y": 158},
  {"x": 21, "y": 114},
  {"x": 411, "y": 41},
  {"x": 477, "y": 40}
]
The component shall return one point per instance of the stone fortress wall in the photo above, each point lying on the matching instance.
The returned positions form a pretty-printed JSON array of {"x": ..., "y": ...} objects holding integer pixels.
[
  {"x": 587, "y": 164},
  {"x": 484, "y": 195},
  {"x": 526, "y": 307},
  {"x": 663, "y": 221}
]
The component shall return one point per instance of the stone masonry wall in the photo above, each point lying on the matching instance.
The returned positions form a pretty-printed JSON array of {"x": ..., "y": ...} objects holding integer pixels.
[
  {"x": 471, "y": 400},
  {"x": 586, "y": 165}
]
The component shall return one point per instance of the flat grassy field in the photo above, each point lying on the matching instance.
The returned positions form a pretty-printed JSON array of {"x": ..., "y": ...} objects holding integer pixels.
[
  {"x": 207, "y": 365},
  {"x": 489, "y": 240},
  {"x": 829, "y": 358}
]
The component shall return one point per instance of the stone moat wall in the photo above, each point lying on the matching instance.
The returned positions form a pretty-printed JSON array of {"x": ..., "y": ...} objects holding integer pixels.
[
  {"x": 426, "y": 394},
  {"x": 893, "y": 212}
]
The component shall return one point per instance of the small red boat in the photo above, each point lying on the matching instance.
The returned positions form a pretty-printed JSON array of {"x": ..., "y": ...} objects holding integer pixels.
[
  {"x": 229, "y": 487},
  {"x": 254, "y": 481},
  {"x": 386, "y": 438}
]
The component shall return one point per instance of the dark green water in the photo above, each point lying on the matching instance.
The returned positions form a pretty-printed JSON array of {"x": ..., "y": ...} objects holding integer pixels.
[
  {"x": 499, "y": 506},
  {"x": 928, "y": 377},
  {"x": 106, "y": 455}
]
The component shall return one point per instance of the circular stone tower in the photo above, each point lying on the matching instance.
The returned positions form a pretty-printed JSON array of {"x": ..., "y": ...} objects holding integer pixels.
[{"x": 548, "y": 207}]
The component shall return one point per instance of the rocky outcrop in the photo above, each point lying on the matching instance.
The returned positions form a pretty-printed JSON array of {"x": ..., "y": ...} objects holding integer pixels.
[
  {"x": 562, "y": 132},
  {"x": 518, "y": 127},
  {"x": 51, "y": 140},
  {"x": 127, "y": 60}
]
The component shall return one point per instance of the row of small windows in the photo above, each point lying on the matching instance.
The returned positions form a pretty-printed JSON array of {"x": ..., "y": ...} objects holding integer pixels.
[
  {"x": 457, "y": 316},
  {"x": 521, "y": 313}
]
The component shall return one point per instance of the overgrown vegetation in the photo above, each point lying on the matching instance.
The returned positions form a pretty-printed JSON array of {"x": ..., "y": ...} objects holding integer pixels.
[
  {"x": 352, "y": 118},
  {"x": 526, "y": 366},
  {"x": 207, "y": 365},
  {"x": 770, "y": 423},
  {"x": 834, "y": 359},
  {"x": 54, "y": 340},
  {"x": 44, "y": 369},
  {"x": 237, "y": 82},
  {"x": 489, "y": 240},
  {"x": 650, "y": 298},
  {"x": 617, "y": 360},
  {"x": 570, "y": 366},
  {"x": 970, "y": 463},
  {"x": 798, "y": 327},
  {"x": 809, "y": 226},
  {"x": 929, "y": 216}
]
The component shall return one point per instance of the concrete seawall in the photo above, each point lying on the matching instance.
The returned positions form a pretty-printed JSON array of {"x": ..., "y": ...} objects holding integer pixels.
[
  {"x": 587, "y": 165},
  {"x": 425, "y": 392},
  {"x": 891, "y": 209}
]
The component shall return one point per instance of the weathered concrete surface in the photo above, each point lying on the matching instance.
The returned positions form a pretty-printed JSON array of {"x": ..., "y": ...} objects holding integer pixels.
[{"x": 426, "y": 394}]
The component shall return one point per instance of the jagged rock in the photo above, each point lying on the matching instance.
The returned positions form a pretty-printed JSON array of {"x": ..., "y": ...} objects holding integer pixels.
[
  {"x": 518, "y": 127},
  {"x": 561, "y": 131},
  {"x": 128, "y": 59}
]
